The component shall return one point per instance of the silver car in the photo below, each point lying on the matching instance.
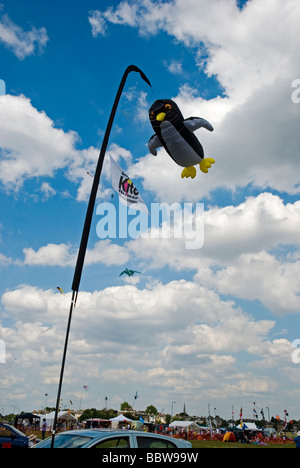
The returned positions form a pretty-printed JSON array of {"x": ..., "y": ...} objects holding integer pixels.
[{"x": 113, "y": 439}]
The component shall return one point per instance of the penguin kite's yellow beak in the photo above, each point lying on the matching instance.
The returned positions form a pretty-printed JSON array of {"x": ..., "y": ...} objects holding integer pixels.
[{"x": 161, "y": 117}]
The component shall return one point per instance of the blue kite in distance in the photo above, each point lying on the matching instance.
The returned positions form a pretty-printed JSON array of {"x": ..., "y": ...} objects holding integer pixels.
[{"x": 129, "y": 272}]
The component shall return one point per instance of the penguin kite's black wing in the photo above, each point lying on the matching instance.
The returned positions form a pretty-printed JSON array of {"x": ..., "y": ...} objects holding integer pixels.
[{"x": 194, "y": 123}]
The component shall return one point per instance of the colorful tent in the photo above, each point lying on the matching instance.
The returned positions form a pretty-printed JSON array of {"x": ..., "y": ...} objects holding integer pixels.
[
  {"x": 229, "y": 437},
  {"x": 248, "y": 426}
]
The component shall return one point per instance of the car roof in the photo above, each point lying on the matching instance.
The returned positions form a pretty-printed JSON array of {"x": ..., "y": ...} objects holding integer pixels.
[
  {"x": 104, "y": 432},
  {"x": 14, "y": 429},
  {"x": 99, "y": 433}
]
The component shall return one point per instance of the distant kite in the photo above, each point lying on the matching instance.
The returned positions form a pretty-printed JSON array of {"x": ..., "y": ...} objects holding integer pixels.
[
  {"x": 129, "y": 272},
  {"x": 60, "y": 290}
]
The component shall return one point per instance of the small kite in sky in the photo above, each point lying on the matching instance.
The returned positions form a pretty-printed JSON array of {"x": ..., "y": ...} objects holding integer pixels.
[
  {"x": 60, "y": 290},
  {"x": 176, "y": 135},
  {"x": 129, "y": 272}
]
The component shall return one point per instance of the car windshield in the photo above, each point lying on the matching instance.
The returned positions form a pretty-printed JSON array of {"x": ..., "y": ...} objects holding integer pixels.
[
  {"x": 14, "y": 430},
  {"x": 21, "y": 434},
  {"x": 65, "y": 441}
]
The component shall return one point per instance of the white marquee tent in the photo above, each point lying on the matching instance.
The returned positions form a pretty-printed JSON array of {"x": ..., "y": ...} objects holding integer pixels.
[
  {"x": 248, "y": 426},
  {"x": 185, "y": 425},
  {"x": 62, "y": 416},
  {"x": 120, "y": 418}
]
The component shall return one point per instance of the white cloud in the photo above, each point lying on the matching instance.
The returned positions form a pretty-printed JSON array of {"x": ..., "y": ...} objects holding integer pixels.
[
  {"x": 97, "y": 23},
  {"x": 30, "y": 145},
  {"x": 22, "y": 43},
  {"x": 47, "y": 190},
  {"x": 244, "y": 49},
  {"x": 174, "y": 67},
  {"x": 180, "y": 353},
  {"x": 260, "y": 223},
  {"x": 243, "y": 253},
  {"x": 64, "y": 255},
  {"x": 261, "y": 277},
  {"x": 4, "y": 261},
  {"x": 277, "y": 352},
  {"x": 51, "y": 255}
]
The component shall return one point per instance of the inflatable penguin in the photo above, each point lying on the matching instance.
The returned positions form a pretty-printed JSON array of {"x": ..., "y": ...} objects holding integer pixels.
[{"x": 175, "y": 134}]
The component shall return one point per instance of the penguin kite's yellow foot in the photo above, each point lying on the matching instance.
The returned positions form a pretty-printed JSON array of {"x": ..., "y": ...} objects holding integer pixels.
[
  {"x": 189, "y": 172},
  {"x": 206, "y": 164}
]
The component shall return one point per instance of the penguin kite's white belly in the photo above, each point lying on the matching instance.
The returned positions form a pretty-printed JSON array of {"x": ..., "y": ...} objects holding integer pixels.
[{"x": 181, "y": 151}]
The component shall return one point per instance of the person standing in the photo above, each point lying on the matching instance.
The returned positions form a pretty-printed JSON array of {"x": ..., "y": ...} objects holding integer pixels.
[
  {"x": 297, "y": 440},
  {"x": 44, "y": 428}
]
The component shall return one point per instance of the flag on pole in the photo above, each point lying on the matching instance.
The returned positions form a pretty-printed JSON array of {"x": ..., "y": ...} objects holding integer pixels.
[
  {"x": 285, "y": 418},
  {"x": 123, "y": 185}
]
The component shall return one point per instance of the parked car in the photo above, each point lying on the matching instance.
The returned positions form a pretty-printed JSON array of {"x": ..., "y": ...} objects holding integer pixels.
[
  {"x": 113, "y": 439},
  {"x": 10, "y": 437}
]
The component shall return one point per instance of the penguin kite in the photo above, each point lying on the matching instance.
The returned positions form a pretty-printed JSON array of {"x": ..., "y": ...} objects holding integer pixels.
[{"x": 175, "y": 134}]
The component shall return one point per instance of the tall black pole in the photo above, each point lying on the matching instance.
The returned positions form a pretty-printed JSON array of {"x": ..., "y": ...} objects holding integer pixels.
[{"x": 87, "y": 227}]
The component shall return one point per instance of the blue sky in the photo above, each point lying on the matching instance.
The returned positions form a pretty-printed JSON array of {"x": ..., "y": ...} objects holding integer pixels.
[{"x": 214, "y": 325}]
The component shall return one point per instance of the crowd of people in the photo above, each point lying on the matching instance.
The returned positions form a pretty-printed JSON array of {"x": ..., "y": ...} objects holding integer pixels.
[{"x": 241, "y": 436}]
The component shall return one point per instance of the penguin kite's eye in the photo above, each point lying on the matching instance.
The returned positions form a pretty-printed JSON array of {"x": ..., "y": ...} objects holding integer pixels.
[
  {"x": 152, "y": 115},
  {"x": 168, "y": 106}
]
